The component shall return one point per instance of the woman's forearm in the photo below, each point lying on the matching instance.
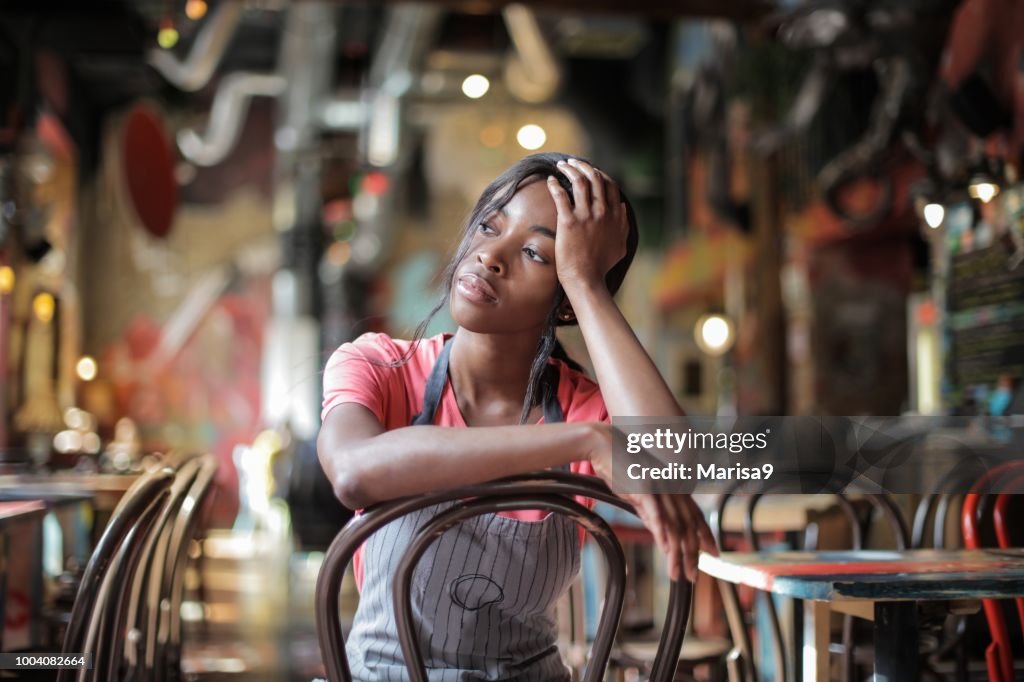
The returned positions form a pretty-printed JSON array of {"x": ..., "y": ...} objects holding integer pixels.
[
  {"x": 631, "y": 384},
  {"x": 421, "y": 459}
]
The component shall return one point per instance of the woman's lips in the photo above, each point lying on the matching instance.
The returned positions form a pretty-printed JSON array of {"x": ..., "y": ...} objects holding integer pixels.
[{"x": 476, "y": 289}]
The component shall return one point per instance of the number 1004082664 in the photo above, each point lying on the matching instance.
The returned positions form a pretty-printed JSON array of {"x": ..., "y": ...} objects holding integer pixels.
[{"x": 45, "y": 661}]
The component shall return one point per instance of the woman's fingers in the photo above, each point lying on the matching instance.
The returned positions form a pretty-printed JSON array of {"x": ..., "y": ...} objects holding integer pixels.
[
  {"x": 679, "y": 529},
  {"x": 611, "y": 190},
  {"x": 559, "y": 196},
  {"x": 598, "y": 207},
  {"x": 580, "y": 189},
  {"x": 689, "y": 536},
  {"x": 677, "y": 543},
  {"x": 704, "y": 534}
]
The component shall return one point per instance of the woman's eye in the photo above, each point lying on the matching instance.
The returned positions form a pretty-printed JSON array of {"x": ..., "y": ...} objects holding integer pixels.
[
  {"x": 485, "y": 228},
  {"x": 533, "y": 254}
]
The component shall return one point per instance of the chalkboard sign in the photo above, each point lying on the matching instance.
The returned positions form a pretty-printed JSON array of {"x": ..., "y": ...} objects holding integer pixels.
[{"x": 985, "y": 301}]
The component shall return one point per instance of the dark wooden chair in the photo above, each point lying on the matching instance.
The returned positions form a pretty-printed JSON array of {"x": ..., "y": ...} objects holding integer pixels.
[
  {"x": 97, "y": 600},
  {"x": 150, "y": 603},
  {"x": 166, "y": 647},
  {"x": 549, "y": 491}
]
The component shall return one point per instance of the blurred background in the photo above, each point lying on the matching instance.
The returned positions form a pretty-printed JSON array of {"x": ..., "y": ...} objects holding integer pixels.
[{"x": 200, "y": 200}]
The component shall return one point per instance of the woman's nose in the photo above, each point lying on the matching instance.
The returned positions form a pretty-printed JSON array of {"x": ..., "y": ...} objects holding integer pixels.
[{"x": 491, "y": 260}]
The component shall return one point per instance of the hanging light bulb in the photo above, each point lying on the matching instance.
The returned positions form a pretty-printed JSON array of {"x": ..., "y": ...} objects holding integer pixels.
[
  {"x": 934, "y": 214},
  {"x": 475, "y": 86},
  {"x": 983, "y": 189},
  {"x": 531, "y": 136}
]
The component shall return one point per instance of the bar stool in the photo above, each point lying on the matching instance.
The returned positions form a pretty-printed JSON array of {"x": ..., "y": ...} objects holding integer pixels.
[{"x": 550, "y": 491}]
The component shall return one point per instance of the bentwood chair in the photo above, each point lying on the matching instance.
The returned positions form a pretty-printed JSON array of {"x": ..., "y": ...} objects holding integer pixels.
[
  {"x": 151, "y": 602},
  {"x": 114, "y": 554},
  {"x": 741, "y": 662},
  {"x": 165, "y": 661},
  {"x": 549, "y": 491}
]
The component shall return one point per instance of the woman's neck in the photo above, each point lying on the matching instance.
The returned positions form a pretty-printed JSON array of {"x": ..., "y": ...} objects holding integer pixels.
[{"x": 491, "y": 369}]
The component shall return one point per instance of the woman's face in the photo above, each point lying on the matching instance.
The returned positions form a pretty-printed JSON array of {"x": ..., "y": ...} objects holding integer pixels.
[{"x": 507, "y": 281}]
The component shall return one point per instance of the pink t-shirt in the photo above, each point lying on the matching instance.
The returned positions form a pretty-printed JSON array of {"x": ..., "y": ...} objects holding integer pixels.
[{"x": 395, "y": 395}]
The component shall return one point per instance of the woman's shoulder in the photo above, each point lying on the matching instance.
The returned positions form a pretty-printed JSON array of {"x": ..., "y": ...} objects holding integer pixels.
[
  {"x": 381, "y": 347},
  {"x": 579, "y": 394}
]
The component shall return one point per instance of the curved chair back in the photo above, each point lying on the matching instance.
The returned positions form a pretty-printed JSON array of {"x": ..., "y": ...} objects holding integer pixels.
[
  {"x": 947, "y": 494},
  {"x": 165, "y": 662},
  {"x": 551, "y": 491},
  {"x": 129, "y": 520},
  {"x": 1002, "y": 479},
  {"x": 144, "y": 597}
]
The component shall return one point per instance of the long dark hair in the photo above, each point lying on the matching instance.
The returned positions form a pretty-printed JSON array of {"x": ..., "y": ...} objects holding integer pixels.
[{"x": 493, "y": 198}]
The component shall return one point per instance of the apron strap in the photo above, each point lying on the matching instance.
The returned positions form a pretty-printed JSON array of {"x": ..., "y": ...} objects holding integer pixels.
[
  {"x": 439, "y": 378},
  {"x": 435, "y": 387}
]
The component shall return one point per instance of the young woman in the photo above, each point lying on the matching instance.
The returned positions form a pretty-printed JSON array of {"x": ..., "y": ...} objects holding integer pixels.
[{"x": 547, "y": 244}]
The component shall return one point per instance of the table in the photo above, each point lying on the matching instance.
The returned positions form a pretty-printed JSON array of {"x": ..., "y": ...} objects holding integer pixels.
[
  {"x": 11, "y": 514},
  {"x": 883, "y": 586},
  {"x": 105, "y": 489}
]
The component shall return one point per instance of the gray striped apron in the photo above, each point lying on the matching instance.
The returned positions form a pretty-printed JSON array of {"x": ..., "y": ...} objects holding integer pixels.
[{"x": 483, "y": 594}]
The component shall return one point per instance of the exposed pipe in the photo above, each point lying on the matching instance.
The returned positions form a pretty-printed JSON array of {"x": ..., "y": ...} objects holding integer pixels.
[
  {"x": 227, "y": 114},
  {"x": 409, "y": 33},
  {"x": 532, "y": 73},
  {"x": 211, "y": 42}
]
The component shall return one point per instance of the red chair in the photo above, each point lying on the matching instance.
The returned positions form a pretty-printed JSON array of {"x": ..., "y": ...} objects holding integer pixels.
[
  {"x": 1001, "y": 520},
  {"x": 1006, "y": 478}
]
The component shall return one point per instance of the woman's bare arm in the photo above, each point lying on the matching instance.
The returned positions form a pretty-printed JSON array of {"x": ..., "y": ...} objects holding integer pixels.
[
  {"x": 591, "y": 239},
  {"x": 366, "y": 464}
]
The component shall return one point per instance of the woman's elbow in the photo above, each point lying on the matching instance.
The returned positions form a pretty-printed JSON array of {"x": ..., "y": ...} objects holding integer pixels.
[
  {"x": 350, "y": 489},
  {"x": 347, "y": 479}
]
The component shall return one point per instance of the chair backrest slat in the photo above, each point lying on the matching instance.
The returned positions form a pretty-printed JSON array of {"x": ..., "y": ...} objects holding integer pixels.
[{"x": 166, "y": 648}]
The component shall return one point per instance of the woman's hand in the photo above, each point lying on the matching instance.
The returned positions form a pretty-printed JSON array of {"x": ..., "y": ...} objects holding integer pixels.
[
  {"x": 590, "y": 236},
  {"x": 675, "y": 520}
]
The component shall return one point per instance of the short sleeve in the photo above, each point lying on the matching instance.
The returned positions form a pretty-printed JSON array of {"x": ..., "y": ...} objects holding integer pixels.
[
  {"x": 356, "y": 373},
  {"x": 586, "y": 403}
]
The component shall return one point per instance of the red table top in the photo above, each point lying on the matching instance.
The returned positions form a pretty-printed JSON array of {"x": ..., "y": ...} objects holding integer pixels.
[{"x": 10, "y": 511}]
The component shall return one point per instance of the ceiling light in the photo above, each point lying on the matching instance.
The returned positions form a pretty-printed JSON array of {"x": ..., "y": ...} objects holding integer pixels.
[
  {"x": 475, "y": 86},
  {"x": 531, "y": 136}
]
